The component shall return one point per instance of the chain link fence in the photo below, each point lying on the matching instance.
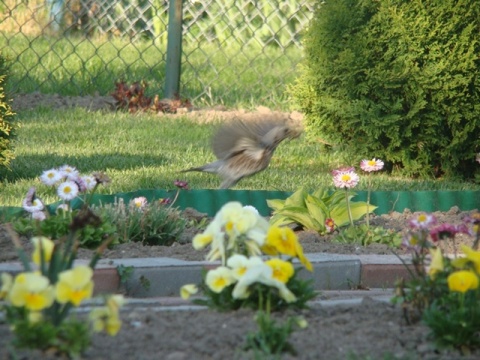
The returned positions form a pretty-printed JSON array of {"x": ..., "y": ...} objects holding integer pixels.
[{"x": 232, "y": 51}]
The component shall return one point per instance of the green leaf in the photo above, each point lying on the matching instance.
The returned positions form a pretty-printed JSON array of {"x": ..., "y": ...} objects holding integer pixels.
[
  {"x": 280, "y": 220},
  {"x": 318, "y": 210},
  {"x": 339, "y": 214},
  {"x": 276, "y": 204},
  {"x": 302, "y": 217},
  {"x": 297, "y": 198}
]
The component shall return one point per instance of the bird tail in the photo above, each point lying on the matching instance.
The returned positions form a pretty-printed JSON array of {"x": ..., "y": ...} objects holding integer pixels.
[
  {"x": 210, "y": 168},
  {"x": 192, "y": 169}
]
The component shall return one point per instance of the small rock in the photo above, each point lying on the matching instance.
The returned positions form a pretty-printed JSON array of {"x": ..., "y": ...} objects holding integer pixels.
[
  {"x": 263, "y": 110},
  {"x": 453, "y": 210},
  {"x": 183, "y": 110},
  {"x": 176, "y": 355}
]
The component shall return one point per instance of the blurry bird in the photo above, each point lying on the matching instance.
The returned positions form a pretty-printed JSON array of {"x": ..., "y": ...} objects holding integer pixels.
[{"x": 245, "y": 147}]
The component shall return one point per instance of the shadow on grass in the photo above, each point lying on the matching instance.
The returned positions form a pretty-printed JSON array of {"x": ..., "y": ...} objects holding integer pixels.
[{"x": 23, "y": 166}]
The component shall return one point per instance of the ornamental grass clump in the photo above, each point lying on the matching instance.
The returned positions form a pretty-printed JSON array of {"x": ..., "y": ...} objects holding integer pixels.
[
  {"x": 443, "y": 290},
  {"x": 256, "y": 270},
  {"x": 38, "y": 302},
  {"x": 150, "y": 223}
]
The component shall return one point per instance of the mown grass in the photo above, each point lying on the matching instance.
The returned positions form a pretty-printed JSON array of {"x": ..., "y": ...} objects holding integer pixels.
[
  {"x": 148, "y": 152},
  {"x": 211, "y": 75}
]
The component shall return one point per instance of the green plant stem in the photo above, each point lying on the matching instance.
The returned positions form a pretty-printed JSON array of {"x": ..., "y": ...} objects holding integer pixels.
[
  {"x": 348, "y": 207},
  {"x": 175, "y": 198},
  {"x": 268, "y": 306},
  {"x": 369, "y": 189}
]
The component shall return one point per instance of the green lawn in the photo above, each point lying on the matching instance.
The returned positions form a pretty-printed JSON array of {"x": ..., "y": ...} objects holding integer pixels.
[{"x": 149, "y": 151}]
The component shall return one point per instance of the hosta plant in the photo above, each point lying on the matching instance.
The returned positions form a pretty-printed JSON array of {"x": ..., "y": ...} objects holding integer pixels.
[
  {"x": 327, "y": 212},
  {"x": 314, "y": 211},
  {"x": 443, "y": 290}
]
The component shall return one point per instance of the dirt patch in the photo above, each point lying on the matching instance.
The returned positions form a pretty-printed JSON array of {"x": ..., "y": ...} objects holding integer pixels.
[
  {"x": 311, "y": 241},
  {"x": 107, "y": 103},
  {"x": 371, "y": 330}
]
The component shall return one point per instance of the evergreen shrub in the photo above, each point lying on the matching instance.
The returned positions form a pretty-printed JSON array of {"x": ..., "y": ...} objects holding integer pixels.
[
  {"x": 398, "y": 80},
  {"x": 7, "y": 128}
]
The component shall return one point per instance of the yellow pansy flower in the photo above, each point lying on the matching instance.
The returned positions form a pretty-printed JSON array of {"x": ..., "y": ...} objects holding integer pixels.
[
  {"x": 283, "y": 240},
  {"x": 282, "y": 270},
  {"x": 188, "y": 290},
  {"x": 74, "y": 285},
  {"x": 103, "y": 319},
  {"x": 462, "y": 281},
  {"x": 42, "y": 245},
  {"x": 201, "y": 241},
  {"x": 470, "y": 256},
  {"x": 437, "y": 262},
  {"x": 7, "y": 282},
  {"x": 31, "y": 290}
]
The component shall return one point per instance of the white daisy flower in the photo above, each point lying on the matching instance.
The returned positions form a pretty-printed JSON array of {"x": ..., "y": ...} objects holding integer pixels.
[
  {"x": 31, "y": 203},
  {"x": 90, "y": 181},
  {"x": 345, "y": 179},
  {"x": 35, "y": 206},
  {"x": 39, "y": 215},
  {"x": 67, "y": 190},
  {"x": 51, "y": 177},
  {"x": 69, "y": 172}
]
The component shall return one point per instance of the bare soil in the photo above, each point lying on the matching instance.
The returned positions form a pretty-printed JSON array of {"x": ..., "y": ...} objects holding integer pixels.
[
  {"x": 372, "y": 330},
  {"x": 311, "y": 241}
]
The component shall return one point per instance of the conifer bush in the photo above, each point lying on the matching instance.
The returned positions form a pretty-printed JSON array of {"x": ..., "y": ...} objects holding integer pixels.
[
  {"x": 7, "y": 130},
  {"x": 398, "y": 79}
]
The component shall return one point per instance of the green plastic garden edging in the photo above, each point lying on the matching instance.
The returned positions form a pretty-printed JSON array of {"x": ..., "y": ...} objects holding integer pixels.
[{"x": 210, "y": 201}]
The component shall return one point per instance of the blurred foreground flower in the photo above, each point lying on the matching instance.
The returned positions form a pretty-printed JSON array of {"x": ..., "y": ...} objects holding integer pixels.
[
  {"x": 444, "y": 288},
  {"x": 37, "y": 302}
]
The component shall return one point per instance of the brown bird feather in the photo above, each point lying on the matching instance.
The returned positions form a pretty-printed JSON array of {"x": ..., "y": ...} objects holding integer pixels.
[{"x": 245, "y": 147}]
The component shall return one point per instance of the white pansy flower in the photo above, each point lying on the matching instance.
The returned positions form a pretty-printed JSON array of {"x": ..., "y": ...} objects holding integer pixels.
[
  {"x": 219, "y": 278},
  {"x": 263, "y": 274}
]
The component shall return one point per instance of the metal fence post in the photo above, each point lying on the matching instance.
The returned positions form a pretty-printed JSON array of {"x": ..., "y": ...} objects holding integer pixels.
[{"x": 174, "y": 49}]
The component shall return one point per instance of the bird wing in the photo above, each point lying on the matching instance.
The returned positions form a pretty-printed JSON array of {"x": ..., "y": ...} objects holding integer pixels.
[{"x": 240, "y": 136}]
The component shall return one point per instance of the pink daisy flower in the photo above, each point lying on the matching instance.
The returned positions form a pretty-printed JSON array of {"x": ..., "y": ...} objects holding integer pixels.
[
  {"x": 139, "y": 203},
  {"x": 89, "y": 181},
  {"x": 371, "y": 165},
  {"x": 181, "y": 184},
  {"x": 443, "y": 232},
  {"x": 422, "y": 220},
  {"x": 345, "y": 179}
]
